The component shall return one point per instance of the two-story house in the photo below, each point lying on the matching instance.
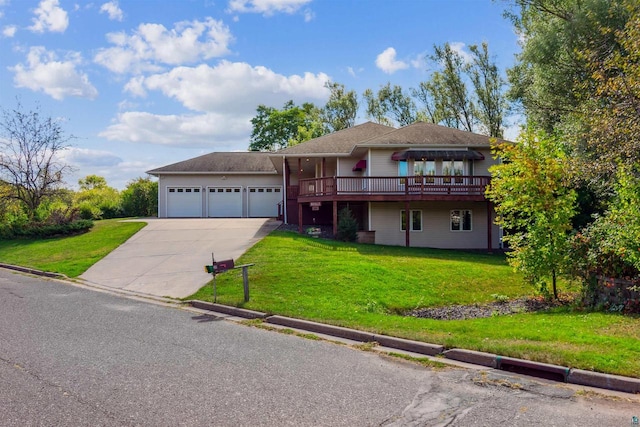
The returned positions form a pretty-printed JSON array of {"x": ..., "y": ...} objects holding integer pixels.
[{"x": 420, "y": 185}]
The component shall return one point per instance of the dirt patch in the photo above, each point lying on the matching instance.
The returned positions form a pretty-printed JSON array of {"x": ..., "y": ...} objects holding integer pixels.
[{"x": 461, "y": 312}]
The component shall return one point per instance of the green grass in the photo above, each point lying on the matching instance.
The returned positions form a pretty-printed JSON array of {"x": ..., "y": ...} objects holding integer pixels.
[
  {"x": 73, "y": 255},
  {"x": 367, "y": 287}
]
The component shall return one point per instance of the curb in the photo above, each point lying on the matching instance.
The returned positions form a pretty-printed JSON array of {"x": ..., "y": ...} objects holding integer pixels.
[
  {"x": 606, "y": 381},
  {"x": 489, "y": 360},
  {"x": 232, "y": 311},
  {"x": 33, "y": 271}
]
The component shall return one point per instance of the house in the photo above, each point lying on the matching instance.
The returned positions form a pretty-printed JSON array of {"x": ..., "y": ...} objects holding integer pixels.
[{"x": 420, "y": 185}]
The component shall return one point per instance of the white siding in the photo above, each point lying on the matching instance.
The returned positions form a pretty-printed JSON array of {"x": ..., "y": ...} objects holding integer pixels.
[
  {"x": 436, "y": 233},
  {"x": 207, "y": 181}
]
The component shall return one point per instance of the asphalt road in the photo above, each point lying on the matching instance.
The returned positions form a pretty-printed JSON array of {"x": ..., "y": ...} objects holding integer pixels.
[{"x": 72, "y": 356}]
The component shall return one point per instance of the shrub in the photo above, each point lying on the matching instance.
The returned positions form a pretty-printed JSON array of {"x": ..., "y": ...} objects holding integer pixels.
[
  {"x": 39, "y": 230},
  {"x": 347, "y": 226}
]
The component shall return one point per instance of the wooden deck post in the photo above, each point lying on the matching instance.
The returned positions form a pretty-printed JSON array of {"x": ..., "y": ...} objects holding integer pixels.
[
  {"x": 489, "y": 226},
  {"x": 300, "y": 218},
  {"x": 407, "y": 226},
  {"x": 335, "y": 218}
]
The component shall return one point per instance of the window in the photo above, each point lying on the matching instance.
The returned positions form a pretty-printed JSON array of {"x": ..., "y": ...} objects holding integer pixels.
[
  {"x": 403, "y": 169},
  {"x": 424, "y": 167},
  {"x": 461, "y": 220},
  {"x": 416, "y": 220}
]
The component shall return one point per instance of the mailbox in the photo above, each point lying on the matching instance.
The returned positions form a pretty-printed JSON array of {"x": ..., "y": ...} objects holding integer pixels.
[{"x": 219, "y": 267}]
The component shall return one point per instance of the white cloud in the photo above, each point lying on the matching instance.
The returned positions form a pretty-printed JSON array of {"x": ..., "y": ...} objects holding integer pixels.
[
  {"x": 58, "y": 79},
  {"x": 233, "y": 87},
  {"x": 49, "y": 17},
  {"x": 152, "y": 45},
  {"x": 9, "y": 31},
  {"x": 269, "y": 7},
  {"x": 459, "y": 48},
  {"x": 113, "y": 10},
  {"x": 386, "y": 61},
  {"x": 420, "y": 61},
  {"x": 212, "y": 130},
  {"x": 86, "y": 157}
]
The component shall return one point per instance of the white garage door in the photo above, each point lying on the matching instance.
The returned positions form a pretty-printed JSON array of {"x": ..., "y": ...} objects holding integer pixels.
[
  {"x": 263, "y": 201},
  {"x": 184, "y": 202},
  {"x": 225, "y": 202}
]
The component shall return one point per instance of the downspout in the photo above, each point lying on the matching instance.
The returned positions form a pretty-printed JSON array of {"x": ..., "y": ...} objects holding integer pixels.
[{"x": 284, "y": 185}]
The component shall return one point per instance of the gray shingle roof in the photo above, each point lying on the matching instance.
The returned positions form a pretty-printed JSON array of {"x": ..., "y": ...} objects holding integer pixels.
[
  {"x": 421, "y": 133},
  {"x": 340, "y": 142},
  {"x": 233, "y": 162}
]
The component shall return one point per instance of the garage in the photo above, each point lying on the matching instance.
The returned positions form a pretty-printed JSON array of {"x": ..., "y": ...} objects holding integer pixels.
[
  {"x": 263, "y": 201},
  {"x": 184, "y": 202},
  {"x": 224, "y": 202}
]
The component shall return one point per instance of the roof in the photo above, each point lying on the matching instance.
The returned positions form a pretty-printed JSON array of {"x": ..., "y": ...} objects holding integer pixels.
[
  {"x": 214, "y": 163},
  {"x": 437, "y": 155},
  {"x": 340, "y": 142},
  {"x": 421, "y": 133}
]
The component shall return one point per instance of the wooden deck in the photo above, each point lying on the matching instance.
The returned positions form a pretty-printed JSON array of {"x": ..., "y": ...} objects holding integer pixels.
[{"x": 395, "y": 188}]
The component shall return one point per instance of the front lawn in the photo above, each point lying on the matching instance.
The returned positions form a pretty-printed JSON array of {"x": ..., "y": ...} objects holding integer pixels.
[
  {"x": 73, "y": 255},
  {"x": 367, "y": 287}
]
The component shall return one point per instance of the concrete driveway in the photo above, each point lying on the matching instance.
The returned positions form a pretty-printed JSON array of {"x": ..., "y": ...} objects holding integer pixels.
[{"x": 167, "y": 257}]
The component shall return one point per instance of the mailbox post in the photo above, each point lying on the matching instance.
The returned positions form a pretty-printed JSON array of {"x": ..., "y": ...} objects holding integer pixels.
[{"x": 222, "y": 266}]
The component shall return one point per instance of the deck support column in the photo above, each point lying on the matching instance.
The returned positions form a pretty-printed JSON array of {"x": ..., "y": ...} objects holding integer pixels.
[
  {"x": 489, "y": 226},
  {"x": 407, "y": 225},
  {"x": 335, "y": 218},
  {"x": 300, "y": 218}
]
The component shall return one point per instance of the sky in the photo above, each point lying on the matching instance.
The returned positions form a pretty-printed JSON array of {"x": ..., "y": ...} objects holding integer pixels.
[{"x": 141, "y": 84}]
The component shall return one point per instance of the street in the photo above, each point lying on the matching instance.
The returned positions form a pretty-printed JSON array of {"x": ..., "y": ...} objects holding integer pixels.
[{"x": 71, "y": 357}]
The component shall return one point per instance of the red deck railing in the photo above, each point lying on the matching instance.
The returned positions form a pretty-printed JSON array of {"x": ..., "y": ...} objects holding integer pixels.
[{"x": 410, "y": 185}]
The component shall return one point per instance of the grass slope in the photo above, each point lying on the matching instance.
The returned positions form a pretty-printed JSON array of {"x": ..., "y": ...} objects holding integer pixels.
[
  {"x": 367, "y": 286},
  {"x": 69, "y": 255}
]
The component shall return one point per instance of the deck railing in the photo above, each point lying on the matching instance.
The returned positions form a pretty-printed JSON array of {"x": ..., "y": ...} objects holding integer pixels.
[{"x": 396, "y": 185}]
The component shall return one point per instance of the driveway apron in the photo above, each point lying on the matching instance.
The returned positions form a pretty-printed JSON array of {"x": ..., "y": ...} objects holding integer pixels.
[{"x": 167, "y": 257}]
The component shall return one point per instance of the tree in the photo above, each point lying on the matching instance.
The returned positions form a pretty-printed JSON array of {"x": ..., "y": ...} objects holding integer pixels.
[
  {"x": 445, "y": 98},
  {"x": 276, "y": 129},
  {"x": 96, "y": 200},
  {"x": 489, "y": 90},
  {"x": 612, "y": 112},
  {"x": 458, "y": 105},
  {"x": 535, "y": 205},
  {"x": 30, "y": 148},
  {"x": 390, "y": 106},
  {"x": 341, "y": 109},
  {"x": 140, "y": 198},
  {"x": 551, "y": 79},
  {"x": 92, "y": 182}
]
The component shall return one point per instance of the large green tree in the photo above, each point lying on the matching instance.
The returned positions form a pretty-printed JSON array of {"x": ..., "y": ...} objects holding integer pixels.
[
  {"x": 275, "y": 129},
  {"x": 140, "y": 198},
  {"x": 341, "y": 109},
  {"x": 535, "y": 205},
  {"x": 390, "y": 106},
  {"x": 96, "y": 200}
]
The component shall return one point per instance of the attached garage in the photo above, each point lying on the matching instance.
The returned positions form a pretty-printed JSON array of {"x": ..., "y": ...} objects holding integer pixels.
[
  {"x": 263, "y": 201},
  {"x": 224, "y": 202},
  {"x": 184, "y": 202}
]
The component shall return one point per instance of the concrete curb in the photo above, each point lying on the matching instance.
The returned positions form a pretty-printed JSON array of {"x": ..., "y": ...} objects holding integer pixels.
[
  {"x": 33, "y": 271},
  {"x": 321, "y": 328},
  {"x": 538, "y": 369},
  {"x": 473, "y": 357},
  {"x": 233, "y": 311},
  {"x": 606, "y": 381}
]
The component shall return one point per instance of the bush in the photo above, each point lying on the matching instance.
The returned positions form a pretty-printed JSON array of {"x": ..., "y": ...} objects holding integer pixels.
[
  {"x": 41, "y": 231},
  {"x": 347, "y": 226}
]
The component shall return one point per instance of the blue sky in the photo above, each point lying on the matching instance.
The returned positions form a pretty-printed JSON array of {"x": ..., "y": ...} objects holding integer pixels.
[{"x": 146, "y": 83}]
